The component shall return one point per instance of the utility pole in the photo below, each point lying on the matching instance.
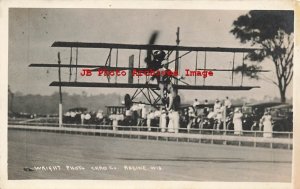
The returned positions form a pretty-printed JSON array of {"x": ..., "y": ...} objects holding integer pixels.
[
  {"x": 177, "y": 53},
  {"x": 60, "y": 95}
]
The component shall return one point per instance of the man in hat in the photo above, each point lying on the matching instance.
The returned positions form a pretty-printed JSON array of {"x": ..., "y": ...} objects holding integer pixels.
[
  {"x": 227, "y": 104},
  {"x": 217, "y": 105},
  {"x": 99, "y": 116},
  {"x": 196, "y": 103},
  {"x": 192, "y": 116}
]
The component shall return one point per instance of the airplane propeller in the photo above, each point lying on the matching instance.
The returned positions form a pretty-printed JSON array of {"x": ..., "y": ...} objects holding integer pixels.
[{"x": 152, "y": 40}]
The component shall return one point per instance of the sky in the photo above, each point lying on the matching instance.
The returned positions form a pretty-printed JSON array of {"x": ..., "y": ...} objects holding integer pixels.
[{"x": 32, "y": 32}]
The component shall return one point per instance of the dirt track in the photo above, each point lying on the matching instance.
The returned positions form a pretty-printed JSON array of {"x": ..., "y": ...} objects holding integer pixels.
[{"x": 107, "y": 158}]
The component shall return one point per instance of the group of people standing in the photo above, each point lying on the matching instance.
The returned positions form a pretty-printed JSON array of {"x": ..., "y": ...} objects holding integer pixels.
[
  {"x": 167, "y": 117},
  {"x": 168, "y": 114},
  {"x": 265, "y": 122},
  {"x": 217, "y": 112},
  {"x": 222, "y": 110}
]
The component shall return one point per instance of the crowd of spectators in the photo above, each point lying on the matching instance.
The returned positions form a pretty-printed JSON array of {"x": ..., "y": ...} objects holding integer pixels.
[{"x": 220, "y": 115}]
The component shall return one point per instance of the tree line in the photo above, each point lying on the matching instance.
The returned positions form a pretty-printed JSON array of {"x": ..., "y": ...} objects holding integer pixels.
[{"x": 48, "y": 104}]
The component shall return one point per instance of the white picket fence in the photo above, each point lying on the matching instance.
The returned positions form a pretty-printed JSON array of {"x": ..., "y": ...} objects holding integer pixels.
[{"x": 194, "y": 135}]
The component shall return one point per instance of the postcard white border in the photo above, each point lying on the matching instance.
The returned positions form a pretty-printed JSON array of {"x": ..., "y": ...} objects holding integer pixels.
[{"x": 217, "y": 5}]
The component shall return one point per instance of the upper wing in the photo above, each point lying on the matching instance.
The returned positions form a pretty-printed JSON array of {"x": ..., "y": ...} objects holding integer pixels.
[
  {"x": 148, "y": 47},
  {"x": 96, "y": 67}
]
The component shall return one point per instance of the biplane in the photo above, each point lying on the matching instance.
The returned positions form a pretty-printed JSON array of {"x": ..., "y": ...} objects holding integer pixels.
[{"x": 157, "y": 58}]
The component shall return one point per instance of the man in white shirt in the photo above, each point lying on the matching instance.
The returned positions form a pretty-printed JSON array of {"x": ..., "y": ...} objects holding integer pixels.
[
  {"x": 100, "y": 115},
  {"x": 227, "y": 102},
  {"x": 217, "y": 106},
  {"x": 87, "y": 117},
  {"x": 211, "y": 114}
]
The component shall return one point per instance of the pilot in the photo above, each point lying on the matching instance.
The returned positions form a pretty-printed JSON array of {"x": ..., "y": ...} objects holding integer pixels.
[
  {"x": 164, "y": 81},
  {"x": 158, "y": 56}
]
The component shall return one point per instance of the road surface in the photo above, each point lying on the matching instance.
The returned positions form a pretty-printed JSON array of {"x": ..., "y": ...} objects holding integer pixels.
[{"x": 40, "y": 155}]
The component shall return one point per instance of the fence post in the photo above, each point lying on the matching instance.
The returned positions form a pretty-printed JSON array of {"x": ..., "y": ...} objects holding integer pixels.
[
  {"x": 224, "y": 134},
  {"x": 289, "y": 145},
  {"x": 212, "y": 134},
  {"x": 271, "y": 144},
  {"x": 255, "y": 139}
]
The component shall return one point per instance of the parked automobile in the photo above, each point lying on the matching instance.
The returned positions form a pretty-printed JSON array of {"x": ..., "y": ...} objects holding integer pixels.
[
  {"x": 252, "y": 113},
  {"x": 282, "y": 116}
]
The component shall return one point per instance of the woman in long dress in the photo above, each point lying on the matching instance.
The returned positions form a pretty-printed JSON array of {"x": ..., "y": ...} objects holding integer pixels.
[
  {"x": 266, "y": 121},
  {"x": 163, "y": 121},
  {"x": 237, "y": 122},
  {"x": 150, "y": 117},
  {"x": 170, "y": 124},
  {"x": 175, "y": 118}
]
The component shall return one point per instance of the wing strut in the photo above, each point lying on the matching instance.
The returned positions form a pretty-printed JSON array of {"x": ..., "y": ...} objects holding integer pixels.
[
  {"x": 117, "y": 57},
  {"x": 204, "y": 66},
  {"x": 70, "y": 69},
  {"x": 232, "y": 73},
  {"x": 243, "y": 70},
  {"x": 76, "y": 61},
  {"x": 196, "y": 67}
]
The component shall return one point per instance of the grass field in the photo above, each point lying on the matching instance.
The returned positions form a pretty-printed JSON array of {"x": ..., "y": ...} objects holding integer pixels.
[{"x": 39, "y": 155}]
